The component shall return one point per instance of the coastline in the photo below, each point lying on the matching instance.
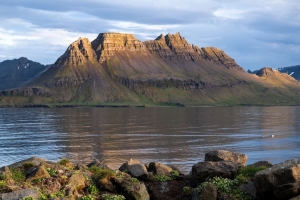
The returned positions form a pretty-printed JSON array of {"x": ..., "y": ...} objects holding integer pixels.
[{"x": 223, "y": 174}]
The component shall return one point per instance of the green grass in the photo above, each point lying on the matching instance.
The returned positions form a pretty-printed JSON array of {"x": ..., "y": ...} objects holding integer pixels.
[
  {"x": 17, "y": 174},
  {"x": 4, "y": 187},
  {"x": 250, "y": 171},
  {"x": 162, "y": 178},
  {"x": 64, "y": 162}
]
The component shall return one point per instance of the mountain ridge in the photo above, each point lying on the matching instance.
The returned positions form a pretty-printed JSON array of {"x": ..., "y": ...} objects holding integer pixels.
[
  {"x": 18, "y": 72},
  {"x": 117, "y": 68}
]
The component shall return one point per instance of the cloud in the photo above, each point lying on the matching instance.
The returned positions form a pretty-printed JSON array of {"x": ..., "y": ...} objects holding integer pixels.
[{"x": 255, "y": 33}]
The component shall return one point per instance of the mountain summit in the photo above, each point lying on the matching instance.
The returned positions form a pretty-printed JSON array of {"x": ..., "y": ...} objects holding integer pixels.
[
  {"x": 117, "y": 68},
  {"x": 17, "y": 72}
]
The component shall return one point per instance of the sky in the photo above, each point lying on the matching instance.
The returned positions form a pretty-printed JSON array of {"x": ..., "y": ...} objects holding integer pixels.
[{"x": 255, "y": 33}]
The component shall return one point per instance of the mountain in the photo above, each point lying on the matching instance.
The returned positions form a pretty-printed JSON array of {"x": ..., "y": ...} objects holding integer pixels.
[
  {"x": 293, "y": 71},
  {"x": 16, "y": 73},
  {"x": 118, "y": 69}
]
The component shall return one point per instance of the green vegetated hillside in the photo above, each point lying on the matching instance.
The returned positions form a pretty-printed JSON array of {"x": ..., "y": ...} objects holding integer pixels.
[{"x": 118, "y": 69}]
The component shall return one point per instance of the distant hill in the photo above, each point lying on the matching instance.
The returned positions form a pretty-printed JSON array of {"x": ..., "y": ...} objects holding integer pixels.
[
  {"x": 118, "y": 69},
  {"x": 294, "y": 71},
  {"x": 18, "y": 72}
]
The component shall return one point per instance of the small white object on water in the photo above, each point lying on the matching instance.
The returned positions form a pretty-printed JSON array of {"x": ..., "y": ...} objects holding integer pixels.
[{"x": 267, "y": 136}]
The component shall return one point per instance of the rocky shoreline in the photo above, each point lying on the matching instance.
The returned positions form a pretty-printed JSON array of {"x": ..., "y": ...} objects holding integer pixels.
[{"x": 223, "y": 175}]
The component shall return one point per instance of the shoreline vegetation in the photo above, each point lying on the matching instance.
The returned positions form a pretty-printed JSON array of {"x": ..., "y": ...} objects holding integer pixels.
[
  {"x": 130, "y": 105},
  {"x": 223, "y": 175}
]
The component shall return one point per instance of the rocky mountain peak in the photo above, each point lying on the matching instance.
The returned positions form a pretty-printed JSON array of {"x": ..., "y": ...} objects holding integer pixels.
[
  {"x": 178, "y": 44},
  {"x": 266, "y": 72},
  {"x": 160, "y": 37},
  {"x": 274, "y": 76},
  {"x": 107, "y": 44},
  {"x": 77, "y": 53}
]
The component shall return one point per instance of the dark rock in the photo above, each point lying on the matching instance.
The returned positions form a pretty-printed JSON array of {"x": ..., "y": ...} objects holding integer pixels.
[
  {"x": 19, "y": 194},
  {"x": 223, "y": 155},
  {"x": 279, "y": 182},
  {"x": 135, "y": 168},
  {"x": 249, "y": 188},
  {"x": 51, "y": 185},
  {"x": 205, "y": 170},
  {"x": 261, "y": 164},
  {"x": 133, "y": 190},
  {"x": 81, "y": 167},
  {"x": 36, "y": 161},
  {"x": 209, "y": 192},
  {"x": 38, "y": 172},
  {"x": 99, "y": 164},
  {"x": 75, "y": 185},
  {"x": 158, "y": 168}
]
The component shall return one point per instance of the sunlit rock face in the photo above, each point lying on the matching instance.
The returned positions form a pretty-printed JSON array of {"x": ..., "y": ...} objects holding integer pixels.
[{"x": 107, "y": 44}]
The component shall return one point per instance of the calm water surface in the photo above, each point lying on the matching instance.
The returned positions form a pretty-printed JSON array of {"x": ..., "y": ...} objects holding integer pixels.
[{"x": 178, "y": 136}]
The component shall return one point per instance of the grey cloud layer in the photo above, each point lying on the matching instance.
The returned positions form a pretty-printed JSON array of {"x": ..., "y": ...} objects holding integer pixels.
[{"x": 254, "y": 33}]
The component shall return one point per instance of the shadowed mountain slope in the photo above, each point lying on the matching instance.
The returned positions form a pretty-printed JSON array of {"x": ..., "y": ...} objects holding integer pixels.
[
  {"x": 18, "y": 72},
  {"x": 117, "y": 68},
  {"x": 293, "y": 71}
]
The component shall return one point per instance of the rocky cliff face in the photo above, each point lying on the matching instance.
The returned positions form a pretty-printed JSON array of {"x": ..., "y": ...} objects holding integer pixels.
[
  {"x": 77, "y": 54},
  {"x": 117, "y": 67},
  {"x": 217, "y": 56},
  {"x": 173, "y": 46},
  {"x": 107, "y": 44}
]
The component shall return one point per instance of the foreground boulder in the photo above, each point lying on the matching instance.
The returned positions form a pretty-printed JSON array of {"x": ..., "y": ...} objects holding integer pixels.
[
  {"x": 206, "y": 170},
  {"x": 38, "y": 172},
  {"x": 158, "y": 168},
  {"x": 134, "y": 190},
  {"x": 282, "y": 181},
  {"x": 209, "y": 192},
  {"x": 223, "y": 155},
  {"x": 19, "y": 194},
  {"x": 135, "y": 168}
]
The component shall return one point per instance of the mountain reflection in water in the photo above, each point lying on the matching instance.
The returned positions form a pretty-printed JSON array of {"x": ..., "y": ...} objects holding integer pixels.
[{"x": 178, "y": 136}]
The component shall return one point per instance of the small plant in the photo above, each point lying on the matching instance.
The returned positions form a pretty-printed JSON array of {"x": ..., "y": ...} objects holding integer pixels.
[
  {"x": 52, "y": 172},
  {"x": 93, "y": 190},
  {"x": 112, "y": 197},
  {"x": 27, "y": 165},
  {"x": 250, "y": 171},
  {"x": 3, "y": 187},
  {"x": 87, "y": 197},
  {"x": 120, "y": 175},
  {"x": 43, "y": 195},
  {"x": 228, "y": 187},
  {"x": 187, "y": 190},
  {"x": 134, "y": 180},
  {"x": 64, "y": 162},
  {"x": 162, "y": 178},
  {"x": 101, "y": 173},
  {"x": 28, "y": 198},
  {"x": 37, "y": 180},
  {"x": 240, "y": 179},
  {"x": 174, "y": 173},
  {"x": 60, "y": 193},
  {"x": 223, "y": 185},
  {"x": 239, "y": 194},
  {"x": 2, "y": 176},
  {"x": 17, "y": 174}
]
